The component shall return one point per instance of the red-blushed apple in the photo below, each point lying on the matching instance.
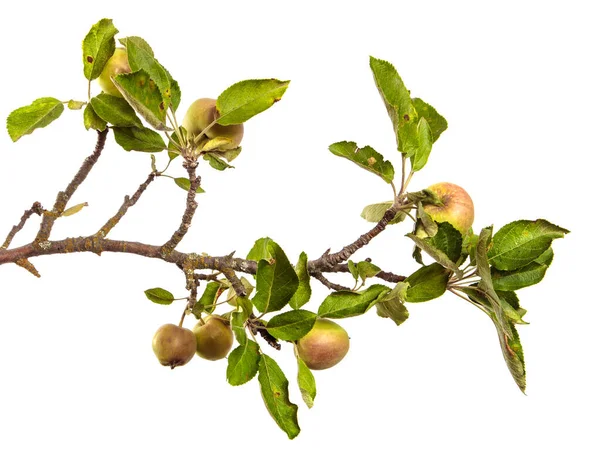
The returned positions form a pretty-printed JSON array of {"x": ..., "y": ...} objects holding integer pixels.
[
  {"x": 173, "y": 345},
  {"x": 117, "y": 64},
  {"x": 201, "y": 114},
  {"x": 214, "y": 338},
  {"x": 324, "y": 346},
  {"x": 457, "y": 207}
]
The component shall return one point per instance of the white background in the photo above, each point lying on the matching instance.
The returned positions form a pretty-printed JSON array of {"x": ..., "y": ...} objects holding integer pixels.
[{"x": 518, "y": 85}]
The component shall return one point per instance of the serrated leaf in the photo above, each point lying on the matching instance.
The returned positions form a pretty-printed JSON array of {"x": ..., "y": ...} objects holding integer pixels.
[
  {"x": 216, "y": 143},
  {"x": 75, "y": 104},
  {"x": 207, "y": 300},
  {"x": 392, "y": 309},
  {"x": 353, "y": 269},
  {"x": 302, "y": 294},
  {"x": 260, "y": 250},
  {"x": 512, "y": 350},
  {"x": 367, "y": 270},
  {"x": 306, "y": 383},
  {"x": 39, "y": 114},
  {"x": 521, "y": 242},
  {"x": 139, "y": 139},
  {"x": 419, "y": 155},
  {"x": 141, "y": 57},
  {"x": 245, "y": 99},
  {"x": 238, "y": 326},
  {"x": 141, "y": 92},
  {"x": 91, "y": 120},
  {"x": 531, "y": 274},
  {"x": 486, "y": 284},
  {"x": 291, "y": 325},
  {"x": 426, "y": 222},
  {"x": 98, "y": 47},
  {"x": 274, "y": 390},
  {"x": 159, "y": 296},
  {"x": 427, "y": 283},
  {"x": 437, "y": 123},
  {"x": 375, "y": 212},
  {"x": 73, "y": 210},
  {"x": 184, "y": 183},
  {"x": 276, "y": 280},
  {"x": 215, "y": 161},
  {"x": 242, "y": 363},
  {"x": 230, "y": 155},
  {"x": 395, "y": 96},
  {"x": 511, "y": 307},
  {"x": 447, "y": 241},
  {"x": 365, "y": 157},
  {"x": 341, "y": 304},
  {"x": 115, "y": 110}
]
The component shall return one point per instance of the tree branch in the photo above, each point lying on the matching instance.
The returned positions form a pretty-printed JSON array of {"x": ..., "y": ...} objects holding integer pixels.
[
  {"x": 36, "y": 208},
  {"x": 334, "y": 286},
  {"x": 63, "y": 197}
]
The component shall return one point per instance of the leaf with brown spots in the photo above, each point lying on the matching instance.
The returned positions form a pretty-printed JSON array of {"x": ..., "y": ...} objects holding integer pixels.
[{"x": 98, "y": 47}]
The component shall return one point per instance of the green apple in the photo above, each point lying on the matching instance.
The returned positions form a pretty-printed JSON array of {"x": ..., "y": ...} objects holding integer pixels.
[
  {"x": 201, "y": 114},
  {"x": 324, "y": 346},
  {"x": 456, "y": 206},
  {"x": 117, "y": 64},
  {"x": 173, "y": 345},
  {"x": 214, "y": 338}
]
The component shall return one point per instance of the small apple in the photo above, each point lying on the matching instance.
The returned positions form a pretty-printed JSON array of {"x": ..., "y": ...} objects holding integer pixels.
[
  {"x": 202, "y": 113},
  {"x": 213, "y": 339},
  {"x": 456, "y": 209},
  {"x": 173, "y": 345},
  {"x": 324, "y": 346},
  {"x": 117, "y": 64}
]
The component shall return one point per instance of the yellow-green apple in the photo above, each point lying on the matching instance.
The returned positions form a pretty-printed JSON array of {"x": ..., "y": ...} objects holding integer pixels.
[
  {"x": 324, "y": 346},
  {"x": 456, "y": 206},
  {"x": 214, "y": 338},
  {"x": 117, "y": 64},
  {"x": 173, "y": 345},
  {"x": 201, "y": 114}
]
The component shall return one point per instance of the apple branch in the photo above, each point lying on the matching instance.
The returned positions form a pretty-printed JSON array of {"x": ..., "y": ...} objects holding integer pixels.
[
  {"x": 63, "y": 197},
  {"x": 333, "y": 286},
  {"x": 36, "y": 208}
]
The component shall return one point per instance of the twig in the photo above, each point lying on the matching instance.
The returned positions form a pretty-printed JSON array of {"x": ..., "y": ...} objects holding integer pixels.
[
  {"x": 188, "y": 215},
  {"x": 129, "y": 202},
  {"x": 334, "y": 286},
  {"x": 63, "y": 197},
  {"x": 256, "y": 327},
  {"x": 36, "y": 208},
  {"x": 387, "y": 276}
]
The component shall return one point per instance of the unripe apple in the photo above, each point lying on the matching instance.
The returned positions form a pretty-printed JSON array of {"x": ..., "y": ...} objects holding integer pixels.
[
  {"x": 173, "y": 345},
  {"x": 202, "y": 113},
  {"x": 214, "y": 338},
  {"x": 457, "y": 207},
  {"x": 324, "y": 346},
  {"x": 117, "y": 64}
]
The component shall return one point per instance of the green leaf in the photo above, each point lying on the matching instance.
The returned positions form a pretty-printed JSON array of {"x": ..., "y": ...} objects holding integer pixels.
[
  {"x": 141, "y": 93},
  {"x": 276, "y": 280},
  {"x": 173, "y": 151},
  {"x": 445, "y": 247},
  {"x": 75, "y": 104},
  {"x": 73, "y": 210},
  {"x": 512, "y": 350},
  {"x": 521, "y": 242},
  {"x": 427, "y": 283},
  {"x": 353, "y": 269},
  {"x": 529, "y": 275},
  {"x": 274, "y": 390},
  {"x": 365, "y": 157},
  {"x": 306, "y": 383},
  {"x": 141, "y": 57},
  {"x": 91, "y": 120},
  {"x": 159, "y": 296},
  {"x": 426, "y": 222},
  {"x": 341, "y": 304},
  {"x": 215, "y": 161},
  {"x": 511, "y": 307},
  {"x": 232, "y": 295},
  {"x": 115, "y": 110},
  {"x": 395, "y": 97},
  {"x": 238, "y": 326},
  {"x": 207, "y": 300},
  {"x": 98, "y": 47},
  {"x": 39, "y": 114},
  {"x": 246, "y": 99},
  {"x": 393, "y": 309},
  {"x": 216, "y": 143},
  {"x": 242, "y": 363},
  {"x": 375, "y": 212},
  {"x": 367, "y": 270},
  {"x": 419, "y": 155},
  {"x": 302, "y": 294},
  {"x": 437, "y": 254},
  {"x": 486, "y": 285},
  {"x": 291, "y": 325},
  {"x": 260, "y": 250},
  {"x": 184, "y": 183},
  {"x": 228, "y": 155},
  {"x": 437, "y": 122},
  {"x": 139, "y": 139}
]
